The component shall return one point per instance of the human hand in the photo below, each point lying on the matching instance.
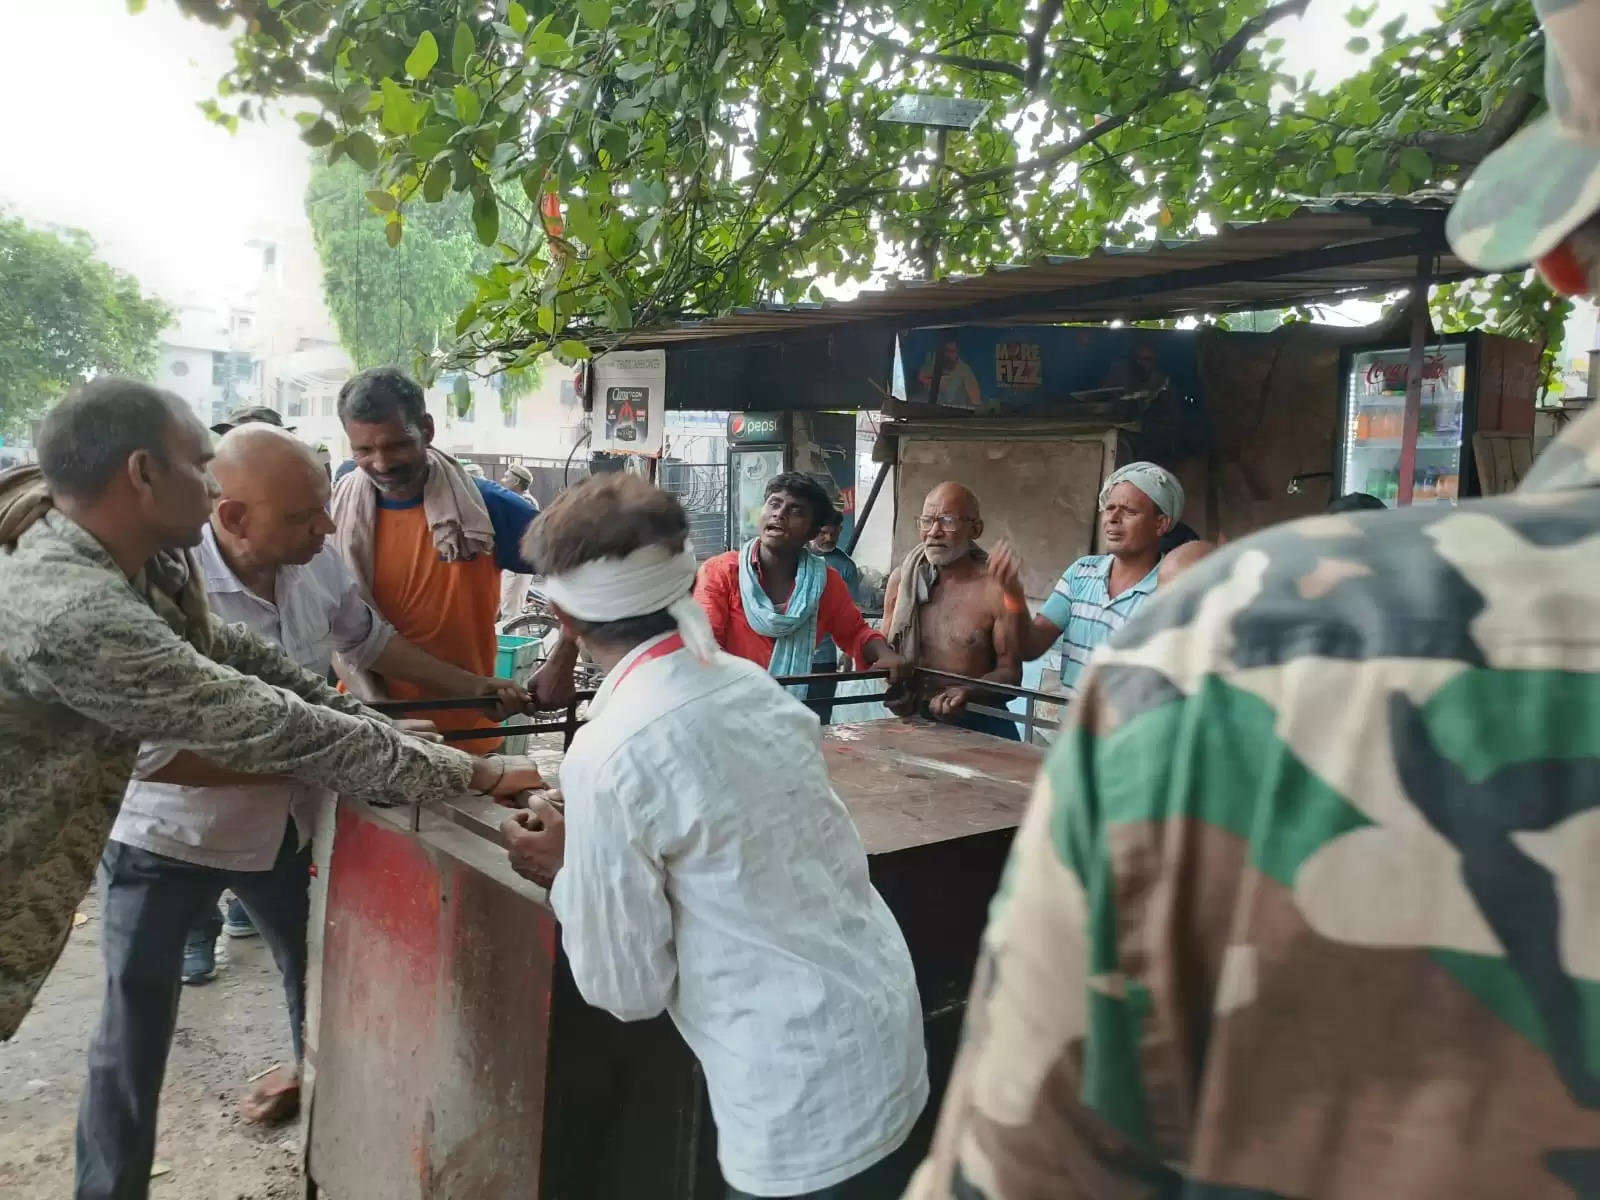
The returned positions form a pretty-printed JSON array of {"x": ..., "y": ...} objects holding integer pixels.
[
  {"x": 901, "y": 700},
  {"x": 425, "y": 731},
  {"x": 899, "y": 669},
  {"x": 504, "y": 776},
  {"x": 949, "y": 703},
  {"x": 513, "y": 697},
  {"x": 536, "y": 840},
  {"x": 1005, "y": 568},
  {"x": 553, "y": 685}
]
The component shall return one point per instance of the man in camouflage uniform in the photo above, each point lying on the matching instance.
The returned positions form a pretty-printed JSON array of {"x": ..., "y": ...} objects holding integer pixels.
[
  {"x": 106, "y": 640},
  {"x": 1307, "y": 901}
]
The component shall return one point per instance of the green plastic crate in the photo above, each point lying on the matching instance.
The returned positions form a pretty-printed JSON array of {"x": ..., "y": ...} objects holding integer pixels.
[{"x": 516, "y": 659}]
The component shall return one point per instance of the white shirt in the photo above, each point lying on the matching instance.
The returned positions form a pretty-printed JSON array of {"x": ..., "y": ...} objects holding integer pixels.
[
  {"x": 319, "y": 609},
  {"x": 711, "y": 871}
]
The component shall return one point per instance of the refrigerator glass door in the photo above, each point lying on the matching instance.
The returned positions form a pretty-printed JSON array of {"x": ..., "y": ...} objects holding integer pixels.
[
  {"x": 1375, "y": 406},
  {"x": 751, "y": 466}
]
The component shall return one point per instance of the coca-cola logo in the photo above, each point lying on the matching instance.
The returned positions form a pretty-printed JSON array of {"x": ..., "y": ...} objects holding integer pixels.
[{"x": 1395, "y": 376}]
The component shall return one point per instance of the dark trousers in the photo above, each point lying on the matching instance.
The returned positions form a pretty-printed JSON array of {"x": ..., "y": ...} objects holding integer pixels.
[
  {"x": 984, "y": 723},
  {"x": 149, "y": 904},
  {"x": 884, "y": 1180},
  {"x": 823, "y": 689}
]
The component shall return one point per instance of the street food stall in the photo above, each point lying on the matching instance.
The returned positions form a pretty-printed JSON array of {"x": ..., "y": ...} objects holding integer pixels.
[
  {"x": 453, "y": 1056},
  {"x": 448, "y": 1050}
]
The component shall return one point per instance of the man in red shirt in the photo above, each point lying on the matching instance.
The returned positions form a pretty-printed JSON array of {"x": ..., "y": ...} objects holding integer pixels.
[{"x": 773, "y": 601}]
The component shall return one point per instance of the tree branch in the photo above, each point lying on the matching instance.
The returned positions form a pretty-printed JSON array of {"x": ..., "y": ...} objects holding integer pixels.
[
  {"x": 1172, "y": 83},
  {"x": 1047, "y": 17},
  {"x": 963, "y": 61},
  {"x": 1472, "y": 147}
]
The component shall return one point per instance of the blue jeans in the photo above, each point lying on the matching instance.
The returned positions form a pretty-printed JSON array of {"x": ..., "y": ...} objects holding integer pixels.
[{"x": 150, "y": 902}]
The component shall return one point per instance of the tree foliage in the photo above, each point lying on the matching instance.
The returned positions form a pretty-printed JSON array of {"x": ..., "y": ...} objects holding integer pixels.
[
  {"x": 639, "y": 161},
  {"x": 66, "y": 315},
  {"x": 394, "y": 298}
]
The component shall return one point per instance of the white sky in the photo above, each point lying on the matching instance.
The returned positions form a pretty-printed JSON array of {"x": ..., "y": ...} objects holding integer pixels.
[{"x": 113, "y": 141}]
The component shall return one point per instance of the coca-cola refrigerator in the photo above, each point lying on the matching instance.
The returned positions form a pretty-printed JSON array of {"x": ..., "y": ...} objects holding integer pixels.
[{"x": 1373, "y": 455}]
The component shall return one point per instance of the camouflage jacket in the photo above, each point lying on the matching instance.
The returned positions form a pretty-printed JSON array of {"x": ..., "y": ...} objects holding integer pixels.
[
  {"x": 1307, "y": 901},
  {"x": 87, "y": 671}
]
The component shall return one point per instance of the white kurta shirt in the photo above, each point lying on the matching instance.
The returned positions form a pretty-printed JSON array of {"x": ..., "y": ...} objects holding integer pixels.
[
  {"x": 711, "y": 872},
  {"x": 319, "y": 609}
]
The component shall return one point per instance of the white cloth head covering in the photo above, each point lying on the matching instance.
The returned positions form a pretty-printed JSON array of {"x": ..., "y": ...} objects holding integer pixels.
[
  {"x": 1160, "y": 484},
  {"x": 650, "y": 579}
]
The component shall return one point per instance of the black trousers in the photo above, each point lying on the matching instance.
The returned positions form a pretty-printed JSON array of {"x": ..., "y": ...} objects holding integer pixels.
[
  {"x": 149, "y": 904},
  {"x": 884, "y": 1180}
]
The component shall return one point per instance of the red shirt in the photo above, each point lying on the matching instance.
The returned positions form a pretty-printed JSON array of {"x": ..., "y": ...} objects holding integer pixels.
[{"x": 717, "y": 590}]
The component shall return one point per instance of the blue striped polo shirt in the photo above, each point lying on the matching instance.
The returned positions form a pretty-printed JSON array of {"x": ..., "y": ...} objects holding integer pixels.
[{"x": 1081, "y": 606}]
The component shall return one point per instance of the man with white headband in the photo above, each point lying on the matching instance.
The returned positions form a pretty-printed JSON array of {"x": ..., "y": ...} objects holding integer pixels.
[
  {"x": 704, "y": 867},
  {"x": 1098, "y": 593}
]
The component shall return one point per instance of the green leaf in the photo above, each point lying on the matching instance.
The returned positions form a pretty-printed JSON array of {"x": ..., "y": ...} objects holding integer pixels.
[
  {"x": 685, "y": 9},
  {"x": 468, "y": 106},
  {"x": 1400, "y": 183},
  {"x": 486, "y": 217},
  {"x": 648, "y": 227},
  {"x": 1416, "y": 163},
  {"x": 401, "y": 113},
  {"x": 1358, "y": 45},
  {"x": 1344, "y": 159},
  {"x": 464, "y": 320},
  {"x": 547, "y": 319},
  {"x": 382, "y": 201},
  {"x": 461, "y": 47},
  {"x": 362, "y": 150},
  {"x": 517, "y": 18},
  {"x": 420, "y": 62},
  {"x": 543, "y": 45},
  {"x": 628, "y": 110},
  {"x": 574, "y": 349},
  {"x": 435, "y": 182},
  {"x": 136, "y": 6},
  {"x": 596, "y": 14},
  {"x": 318, "y": 133},
  {"x": 719, "y": 13},
  {"x": 393, "y": 230}
]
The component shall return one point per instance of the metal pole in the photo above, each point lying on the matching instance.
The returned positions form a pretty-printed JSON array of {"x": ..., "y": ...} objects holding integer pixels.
[
  {"x": 930, "y": 237},
  {"x": 866, "y": 509},
  {"x": 1413, "y": 414}
]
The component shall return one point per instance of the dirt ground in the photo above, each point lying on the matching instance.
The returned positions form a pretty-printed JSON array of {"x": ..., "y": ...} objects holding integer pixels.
[{"x": 228, "y": 1030}]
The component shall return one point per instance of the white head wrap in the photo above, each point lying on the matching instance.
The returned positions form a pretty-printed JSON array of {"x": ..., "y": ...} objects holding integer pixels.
[
  {"x": 650, "y": 579},
  {"x": 1160, "y": 484}
]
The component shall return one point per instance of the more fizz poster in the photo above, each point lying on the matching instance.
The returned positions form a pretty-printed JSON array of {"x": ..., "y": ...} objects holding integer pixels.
[{"x": 630, "y": 401}]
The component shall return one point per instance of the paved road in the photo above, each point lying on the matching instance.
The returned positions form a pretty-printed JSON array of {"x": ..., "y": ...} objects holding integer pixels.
[{"x": 228, "y": 1030}]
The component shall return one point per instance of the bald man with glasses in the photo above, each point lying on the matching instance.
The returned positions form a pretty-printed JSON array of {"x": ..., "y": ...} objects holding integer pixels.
[{"x": 943, "y": 611}]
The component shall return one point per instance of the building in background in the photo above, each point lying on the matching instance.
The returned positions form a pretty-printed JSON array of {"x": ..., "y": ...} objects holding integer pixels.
[{"x": 205, "y": 357}]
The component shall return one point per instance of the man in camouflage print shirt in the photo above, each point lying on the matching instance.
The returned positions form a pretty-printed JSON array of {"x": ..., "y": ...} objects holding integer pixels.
[
  {"x": 103, "y": 646},
  {"x": 1307, "y": 901}
]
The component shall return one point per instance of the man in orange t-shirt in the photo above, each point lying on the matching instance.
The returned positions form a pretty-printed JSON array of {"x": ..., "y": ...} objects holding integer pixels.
[{"x": 447, "y": 608}]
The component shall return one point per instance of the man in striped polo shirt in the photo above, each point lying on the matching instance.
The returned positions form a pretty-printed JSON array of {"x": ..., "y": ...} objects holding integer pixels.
[{"x": 1098, "y": 593}]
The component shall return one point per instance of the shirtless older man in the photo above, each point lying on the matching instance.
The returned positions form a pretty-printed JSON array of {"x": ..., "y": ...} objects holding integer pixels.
[{"x": 942, "y": 610}]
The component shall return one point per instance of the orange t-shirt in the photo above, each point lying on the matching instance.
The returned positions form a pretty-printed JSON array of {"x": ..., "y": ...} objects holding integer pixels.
[{"x": 448, "y": 609}]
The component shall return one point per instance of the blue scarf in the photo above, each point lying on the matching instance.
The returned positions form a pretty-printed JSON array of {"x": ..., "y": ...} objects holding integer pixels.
[{"x": 795, "y": 629}]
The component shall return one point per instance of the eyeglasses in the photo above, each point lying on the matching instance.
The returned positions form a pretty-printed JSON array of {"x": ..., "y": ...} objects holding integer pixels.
[{"x": 947, "y": 523}]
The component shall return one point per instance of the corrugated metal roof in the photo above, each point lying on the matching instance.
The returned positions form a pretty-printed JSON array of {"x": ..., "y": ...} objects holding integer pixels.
[{"x": 1322, "y": 252}]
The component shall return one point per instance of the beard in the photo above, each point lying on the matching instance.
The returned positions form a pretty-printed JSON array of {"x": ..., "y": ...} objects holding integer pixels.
[{"x": 943, "y": 556}]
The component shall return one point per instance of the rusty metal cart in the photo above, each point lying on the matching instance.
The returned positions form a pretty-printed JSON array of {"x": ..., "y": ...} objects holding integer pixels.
[{"x": 454, "y": 1058}]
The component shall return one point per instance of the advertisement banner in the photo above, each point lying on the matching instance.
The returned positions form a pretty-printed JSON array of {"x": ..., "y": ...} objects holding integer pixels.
[
  {"x": 825, "y": 449},
  {"x": 630, "y": 401},
  {"x": 1049, "y": 370}
]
